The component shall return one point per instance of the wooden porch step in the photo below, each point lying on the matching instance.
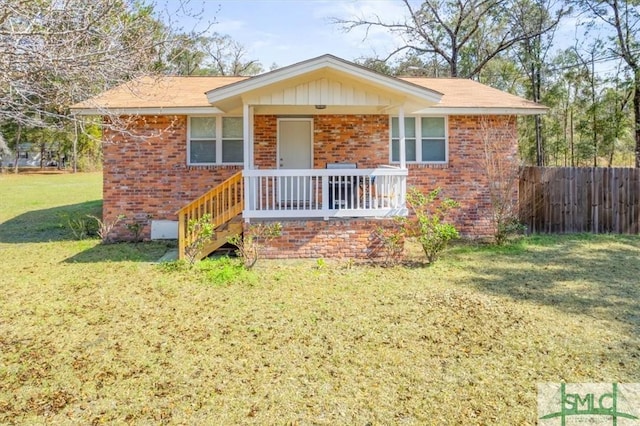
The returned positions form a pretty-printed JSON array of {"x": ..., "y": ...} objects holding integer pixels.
[
  {"x": 223, "y": 204},
  {"x": 222, "y": 233}
]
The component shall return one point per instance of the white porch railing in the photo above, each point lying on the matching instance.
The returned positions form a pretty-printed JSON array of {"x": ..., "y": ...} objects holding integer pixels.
[{"x": 289, "y": 193}]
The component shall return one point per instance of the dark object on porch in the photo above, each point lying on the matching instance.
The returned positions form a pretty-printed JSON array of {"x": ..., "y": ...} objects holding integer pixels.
[{"x": 341, "y": 188}]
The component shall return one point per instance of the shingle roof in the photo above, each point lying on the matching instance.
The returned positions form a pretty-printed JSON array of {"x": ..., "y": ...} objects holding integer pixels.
[
  {"x": 465, "y": 93},
  {"x": 186, "y": 92},
  {"x": 158, "y": 92}
]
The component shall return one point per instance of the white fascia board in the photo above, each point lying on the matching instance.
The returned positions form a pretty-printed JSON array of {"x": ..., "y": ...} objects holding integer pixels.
[
  {"x": 147, "y": 111},
  {"x": 480, "y": 111},
  {"x": 326, "y": 61}
]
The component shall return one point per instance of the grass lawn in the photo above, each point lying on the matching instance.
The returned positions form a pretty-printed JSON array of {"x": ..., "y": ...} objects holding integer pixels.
[{"x": 93, "y": 334}]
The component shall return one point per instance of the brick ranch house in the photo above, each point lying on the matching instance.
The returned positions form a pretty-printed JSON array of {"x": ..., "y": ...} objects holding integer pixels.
[{"x": 325, "y": 147}]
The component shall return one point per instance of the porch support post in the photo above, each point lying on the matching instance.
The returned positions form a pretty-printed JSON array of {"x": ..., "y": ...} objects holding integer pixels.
[
  {"x": 247, "y": 112},
  {"x": 403, "y": 154},
  {"x": 246, "y": 131}
]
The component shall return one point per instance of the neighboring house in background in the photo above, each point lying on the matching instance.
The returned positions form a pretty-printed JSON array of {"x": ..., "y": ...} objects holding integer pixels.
[
  {"x": 29, "y": 155},
  {"x": 326, "y": 147}
]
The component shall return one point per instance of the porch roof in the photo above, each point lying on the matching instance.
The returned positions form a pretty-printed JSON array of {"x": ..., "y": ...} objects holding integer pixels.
[{"x": 328, "y": 81}]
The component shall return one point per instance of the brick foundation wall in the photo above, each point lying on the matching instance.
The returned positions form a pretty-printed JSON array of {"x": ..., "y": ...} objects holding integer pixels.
[
  {"x": 146, "y": 173},
  {"x": 334, "y": 238}
]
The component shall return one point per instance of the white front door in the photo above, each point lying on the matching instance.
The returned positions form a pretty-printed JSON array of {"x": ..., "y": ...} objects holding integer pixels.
[{"x": 295, "y": 151}]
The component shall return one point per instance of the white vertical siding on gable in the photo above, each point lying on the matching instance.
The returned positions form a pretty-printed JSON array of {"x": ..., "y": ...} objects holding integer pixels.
[
  {"x": 302, "y": 94},
  {"x": 312, "y": 93},
  {"x": 289, "y": 96},
  {"x": 322, "y": 92},
  {"x": 336, "y": 92},
  {"x": 278, "y": 97},
  {"x": 348, "y": 95}
]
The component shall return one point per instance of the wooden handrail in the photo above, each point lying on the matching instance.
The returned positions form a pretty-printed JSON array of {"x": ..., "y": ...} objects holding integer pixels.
[{"x": 222, "y": 203}]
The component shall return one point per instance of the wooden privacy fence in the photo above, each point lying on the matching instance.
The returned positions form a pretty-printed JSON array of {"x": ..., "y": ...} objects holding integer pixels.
[{"x": 577, "y": 199}]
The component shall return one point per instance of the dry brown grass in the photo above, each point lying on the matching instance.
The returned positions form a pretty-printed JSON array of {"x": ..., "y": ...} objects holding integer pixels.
[{"x": 93, "y": 334}]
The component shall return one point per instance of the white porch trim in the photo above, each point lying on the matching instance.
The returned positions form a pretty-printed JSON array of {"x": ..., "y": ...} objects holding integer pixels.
[
  {"x": 247, "y": 131},
  {"x": 325, "y": 193},
  {"x": 401, "y": 131}
]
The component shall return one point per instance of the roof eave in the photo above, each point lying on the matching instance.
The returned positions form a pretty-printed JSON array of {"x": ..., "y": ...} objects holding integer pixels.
[
  {"x": 484, "y": 110},
  {"x": 145, "y": 110}
]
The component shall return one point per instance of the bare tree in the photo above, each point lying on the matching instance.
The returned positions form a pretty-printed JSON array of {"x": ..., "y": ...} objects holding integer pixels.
[
  {"x": 502, "y": 172},
  {"x": 218, "y": 54},
  {"x": 623, "y": 17},
  {"x": 532, "y": 54},
  {"x": 227, "y": 57},
  {"x": 463, "y": 34},
  {"x": 54, "y": 53},
  {"x": 186, "y": 55}
]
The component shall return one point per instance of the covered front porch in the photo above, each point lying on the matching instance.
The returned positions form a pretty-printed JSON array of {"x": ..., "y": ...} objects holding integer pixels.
[
  {"x": 316, "y": 140},
  {"x": 315, "y": 144}
]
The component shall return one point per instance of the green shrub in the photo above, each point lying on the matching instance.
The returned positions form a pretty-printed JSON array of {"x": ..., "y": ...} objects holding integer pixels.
[
  {"x": 82, "y": 227},
  {"x": 250, "y": 244},
  {"x": 427, "y": 224},
  {"x": 508, "y": 228},
  {"x": 202, "y": 231},
  {"x": 105, "y": 227}
]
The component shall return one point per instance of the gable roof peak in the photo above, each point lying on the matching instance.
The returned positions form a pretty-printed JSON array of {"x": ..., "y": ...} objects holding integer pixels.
[{"x": 319, "y": 64}]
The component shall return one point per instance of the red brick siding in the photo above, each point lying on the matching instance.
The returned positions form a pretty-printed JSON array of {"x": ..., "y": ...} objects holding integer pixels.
[
  {"x": 265, "y": 140},
  {"x": 148, "y": 175},
  {"x": 363, "y": 139},
  {"x": 464, "y": 178},
  {"x": 336, "y": 138}
]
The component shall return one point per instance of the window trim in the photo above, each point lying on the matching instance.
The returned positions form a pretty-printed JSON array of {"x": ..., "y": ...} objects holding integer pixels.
[
  {"x": 217, "y": 138},
  {"x": 419, "y": 138}
]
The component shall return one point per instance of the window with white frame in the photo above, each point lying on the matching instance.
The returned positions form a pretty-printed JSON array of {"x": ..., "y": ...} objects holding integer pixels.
[
  {"x": 215, "y": 140},
  {"x": 425, "y": 139}
]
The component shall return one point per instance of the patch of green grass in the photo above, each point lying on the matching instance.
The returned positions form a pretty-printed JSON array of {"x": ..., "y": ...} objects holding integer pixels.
[
  {"x": 38, "y": 207},
  {"x": 93, "y": 333},
  {"x": 217, "y": 271},
  {"x": 225, "y": 270}
]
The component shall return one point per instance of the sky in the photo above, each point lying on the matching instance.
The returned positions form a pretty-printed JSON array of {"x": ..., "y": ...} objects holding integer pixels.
[
  {"x": 289, "y": 31},
  {"x": 283, "y": 32}
]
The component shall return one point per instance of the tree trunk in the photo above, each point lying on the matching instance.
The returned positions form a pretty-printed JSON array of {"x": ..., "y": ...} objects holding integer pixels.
[
  {"x": 636, "y": 112},
  {"x": 15, "y": 162},
  {"x": 573, "y": 158},
  {"x": 42, "y": 156},
  {"x": 539, "y": 144},
  {"x": 536, "y": 82},
  {"x": 594, "y": 115}
]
